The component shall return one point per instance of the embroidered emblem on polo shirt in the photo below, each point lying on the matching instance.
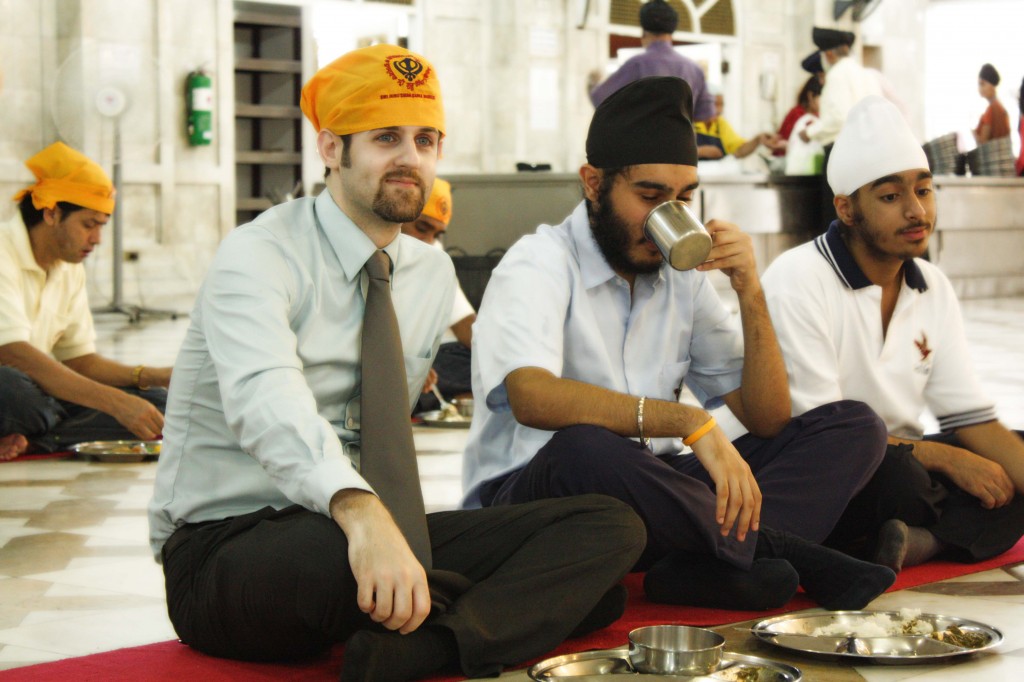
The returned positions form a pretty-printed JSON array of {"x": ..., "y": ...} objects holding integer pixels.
[{"x": 922, "y": 347}]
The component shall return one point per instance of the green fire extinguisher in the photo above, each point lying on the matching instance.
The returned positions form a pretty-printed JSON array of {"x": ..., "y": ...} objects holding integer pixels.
[{"x": 199, "y": 106}]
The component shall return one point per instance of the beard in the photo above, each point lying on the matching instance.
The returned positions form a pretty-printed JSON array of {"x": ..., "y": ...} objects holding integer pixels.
[
  {"x": 611, "y": 232},
  {"x": 870, "y": 236},
  {"x": 396, "y": 205}
]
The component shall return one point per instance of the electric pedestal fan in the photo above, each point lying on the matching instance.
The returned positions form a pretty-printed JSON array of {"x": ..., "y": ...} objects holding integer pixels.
[{"x": 96, "y": 94}]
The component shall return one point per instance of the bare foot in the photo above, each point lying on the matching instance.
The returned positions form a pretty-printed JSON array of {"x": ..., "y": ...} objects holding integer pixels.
[{"x": 12, "y": 445}]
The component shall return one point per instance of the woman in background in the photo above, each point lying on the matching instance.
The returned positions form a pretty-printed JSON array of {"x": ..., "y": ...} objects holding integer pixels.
[{"x": 806, "y": 102}]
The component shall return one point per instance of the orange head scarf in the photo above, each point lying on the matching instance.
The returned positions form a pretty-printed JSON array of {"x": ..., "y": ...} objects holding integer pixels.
[
  {"x": 63, "y": 174},
  {"x": 439, "y": 205},
  {"x": 374, "y": 87}
]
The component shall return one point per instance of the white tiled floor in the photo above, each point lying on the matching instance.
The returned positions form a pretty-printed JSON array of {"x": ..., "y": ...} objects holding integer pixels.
[{"x": 76, "y": 576}]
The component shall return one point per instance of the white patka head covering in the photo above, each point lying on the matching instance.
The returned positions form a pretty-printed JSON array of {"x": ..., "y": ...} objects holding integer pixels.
[{"x": 874, "y": 142}]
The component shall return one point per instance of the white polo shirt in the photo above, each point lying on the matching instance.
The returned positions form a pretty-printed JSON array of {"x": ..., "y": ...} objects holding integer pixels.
[
  {"x": 49, "y": 310},
  {"x": 828, "y": 319}
]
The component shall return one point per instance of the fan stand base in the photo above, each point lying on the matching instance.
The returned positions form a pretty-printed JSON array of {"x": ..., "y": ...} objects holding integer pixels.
[{"x": 135, "y": 313}]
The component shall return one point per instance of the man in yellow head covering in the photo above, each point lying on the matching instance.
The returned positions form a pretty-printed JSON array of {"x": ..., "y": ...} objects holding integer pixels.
[
  {"x": 55, "y": 389},
  {"x": 451, "y": 371},
  {"x": 274, "y": 541}
]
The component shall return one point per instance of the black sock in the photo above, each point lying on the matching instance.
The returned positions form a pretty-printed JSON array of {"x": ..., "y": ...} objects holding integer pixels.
[
  {"x": 892, "y": 545},
  {"x": 393, "y": 657},
  {"x": 701, "y": 580},
  {"x": 836, "y": 581},
  {"x": 608, "y": 609}
]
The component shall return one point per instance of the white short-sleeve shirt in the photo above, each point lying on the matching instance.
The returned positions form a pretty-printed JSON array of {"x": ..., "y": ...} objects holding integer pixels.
[
  {"x": 48, "y": 309},
  {"x": 827, "y": 316},
  {"x": 553, "y": 302}
]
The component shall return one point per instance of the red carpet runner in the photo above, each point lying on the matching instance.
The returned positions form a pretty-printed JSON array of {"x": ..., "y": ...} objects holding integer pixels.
[{"x": 172, "y": 661}]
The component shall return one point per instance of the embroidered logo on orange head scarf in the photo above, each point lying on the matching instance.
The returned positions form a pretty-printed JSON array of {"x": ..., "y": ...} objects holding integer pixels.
[{"x": 406, "y": 70}]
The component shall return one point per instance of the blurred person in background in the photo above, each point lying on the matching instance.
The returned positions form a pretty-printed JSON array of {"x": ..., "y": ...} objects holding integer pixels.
[
  {"x": 995, "y": 122},
  {"x": 451, "y": 369},
  {"x": 55, "y": 389},
  {"x": 658, "y": 21},
  {"x": 717, "y": 139}
]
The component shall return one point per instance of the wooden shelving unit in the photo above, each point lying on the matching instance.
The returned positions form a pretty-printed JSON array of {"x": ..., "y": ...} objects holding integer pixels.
[{"x": 268, "y": 121}]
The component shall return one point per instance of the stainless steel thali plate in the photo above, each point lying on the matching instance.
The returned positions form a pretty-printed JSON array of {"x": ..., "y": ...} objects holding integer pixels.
[
  {"x": 851, "y": 636},
  {"x": 437, "y": 418},
  {"x": 610, "y": 664},
  {"x": 119, "y": 450}
]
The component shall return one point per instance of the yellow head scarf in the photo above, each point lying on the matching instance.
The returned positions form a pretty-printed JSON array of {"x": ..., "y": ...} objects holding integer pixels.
[
  {"x": 374, "y": 87},
  {"x": 439, "y": 205},
  {"x": 63, "y": 174}
]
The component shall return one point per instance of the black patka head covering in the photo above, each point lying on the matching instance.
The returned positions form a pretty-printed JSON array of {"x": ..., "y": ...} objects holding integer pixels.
[
  {"x": 812, "y": 63},
  {"x": 657, "y": 16},
  {"x": 989, "y": 74},
  {"x": 646, "y": 121},
  {"x": 829, "y": 38}
]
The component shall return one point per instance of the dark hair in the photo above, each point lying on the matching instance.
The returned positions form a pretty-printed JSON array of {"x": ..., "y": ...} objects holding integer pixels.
[
  {"x": 608, "y": 176},
  {"x": 811, "y": 87},
  {"x": 1020, "y": 97},
  {"x": 32, "y": 216},
  {"x": 657, "y": 16},
  {"x": 346, "y": 157}
]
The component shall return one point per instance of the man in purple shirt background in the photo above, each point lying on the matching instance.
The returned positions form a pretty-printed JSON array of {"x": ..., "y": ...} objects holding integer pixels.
[{"x": 659, "y": 21}]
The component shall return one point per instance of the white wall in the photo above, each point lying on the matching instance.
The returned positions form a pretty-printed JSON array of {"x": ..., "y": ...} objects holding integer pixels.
[{"x": 513, "y": 74}]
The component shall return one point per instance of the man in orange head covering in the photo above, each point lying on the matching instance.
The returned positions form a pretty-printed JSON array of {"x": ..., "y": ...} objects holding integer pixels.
[
  {"x": 276, "y": 538},
  {"x": 451, "y": 369},
  {"x": 55, "y": 389}
]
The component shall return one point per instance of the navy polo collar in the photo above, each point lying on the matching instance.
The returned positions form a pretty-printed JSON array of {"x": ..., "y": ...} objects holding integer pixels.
[{"x": 832, "y": 247}]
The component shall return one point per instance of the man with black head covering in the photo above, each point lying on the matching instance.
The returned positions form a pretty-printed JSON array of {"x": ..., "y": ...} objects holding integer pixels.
[
  {"x": 659, "y": 21},
  {"x": 582, "y": 343},
  {"x": 846, "y": 83},
  {"x": 995, "y": 122}
]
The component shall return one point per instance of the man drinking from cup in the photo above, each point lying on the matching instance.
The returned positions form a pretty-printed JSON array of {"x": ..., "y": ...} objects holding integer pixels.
[{"x": 582, "y": 343}]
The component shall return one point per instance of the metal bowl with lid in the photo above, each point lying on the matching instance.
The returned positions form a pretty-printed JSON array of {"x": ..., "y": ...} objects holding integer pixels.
[{"x": 675, "y": 650}]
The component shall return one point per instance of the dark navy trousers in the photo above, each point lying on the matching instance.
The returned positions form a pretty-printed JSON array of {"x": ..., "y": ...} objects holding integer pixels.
[
  {"x": 50, "y": 424},
  {"x": 806, "y": 474},
  {"x": 903, "y": 489}
]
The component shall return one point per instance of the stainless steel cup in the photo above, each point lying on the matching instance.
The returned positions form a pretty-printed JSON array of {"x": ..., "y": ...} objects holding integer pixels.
[{"x": 681, "y": 238}]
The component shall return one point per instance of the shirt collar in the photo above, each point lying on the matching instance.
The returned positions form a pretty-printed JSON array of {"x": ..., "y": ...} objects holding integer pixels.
[
  {"x": 594, "y": 269},
  {"x": 350, "y": 244},
  {"x": 834, "y": 250},
  {"x": 23, "y": 247}
]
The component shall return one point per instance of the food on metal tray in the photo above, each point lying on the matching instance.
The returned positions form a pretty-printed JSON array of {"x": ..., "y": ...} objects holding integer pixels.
[
  {"x": 957, "y": 637},
  {"x": 877, "y": 625}
]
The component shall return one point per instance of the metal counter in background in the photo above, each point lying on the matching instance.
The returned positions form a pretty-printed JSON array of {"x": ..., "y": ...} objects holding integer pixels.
[
  {"x": 980, "y": 225},
  {"x": 490, "y": 212}
]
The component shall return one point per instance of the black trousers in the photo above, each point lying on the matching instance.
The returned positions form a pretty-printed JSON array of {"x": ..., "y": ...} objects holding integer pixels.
[
  {"x": 806, "y": 474},
  {"x": 903, "y": 489},
  {"x": 276, "y": 584},
  {"x": 50, "y": 424}
]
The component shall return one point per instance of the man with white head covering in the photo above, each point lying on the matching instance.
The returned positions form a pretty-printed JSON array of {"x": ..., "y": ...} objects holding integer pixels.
[
  {"x": 861, "y": 316},
  {"x": 55, "y": 389},
  {"x": 276, "y": 540}
]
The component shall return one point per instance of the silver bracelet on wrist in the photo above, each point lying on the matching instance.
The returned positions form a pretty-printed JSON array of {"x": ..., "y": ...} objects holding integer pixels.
[{"x": 646, "y": 442}]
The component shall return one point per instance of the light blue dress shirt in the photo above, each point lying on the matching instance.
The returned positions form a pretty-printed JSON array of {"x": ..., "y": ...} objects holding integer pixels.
[
  {"x": 263, "y": 408},
  {"x": 553, "y": 302}
]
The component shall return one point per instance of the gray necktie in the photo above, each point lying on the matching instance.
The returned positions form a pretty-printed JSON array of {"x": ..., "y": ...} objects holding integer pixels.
[{"x": 387, "y": 453}]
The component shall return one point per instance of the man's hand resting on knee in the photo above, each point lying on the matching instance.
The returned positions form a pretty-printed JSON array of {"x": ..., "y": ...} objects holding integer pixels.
[{"x": 392, "y": 583}]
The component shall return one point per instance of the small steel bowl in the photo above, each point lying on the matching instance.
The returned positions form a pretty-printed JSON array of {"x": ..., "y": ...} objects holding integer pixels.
[
  {"x": 675, "y": 650},
  {"x": 464, "y": 406}
]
